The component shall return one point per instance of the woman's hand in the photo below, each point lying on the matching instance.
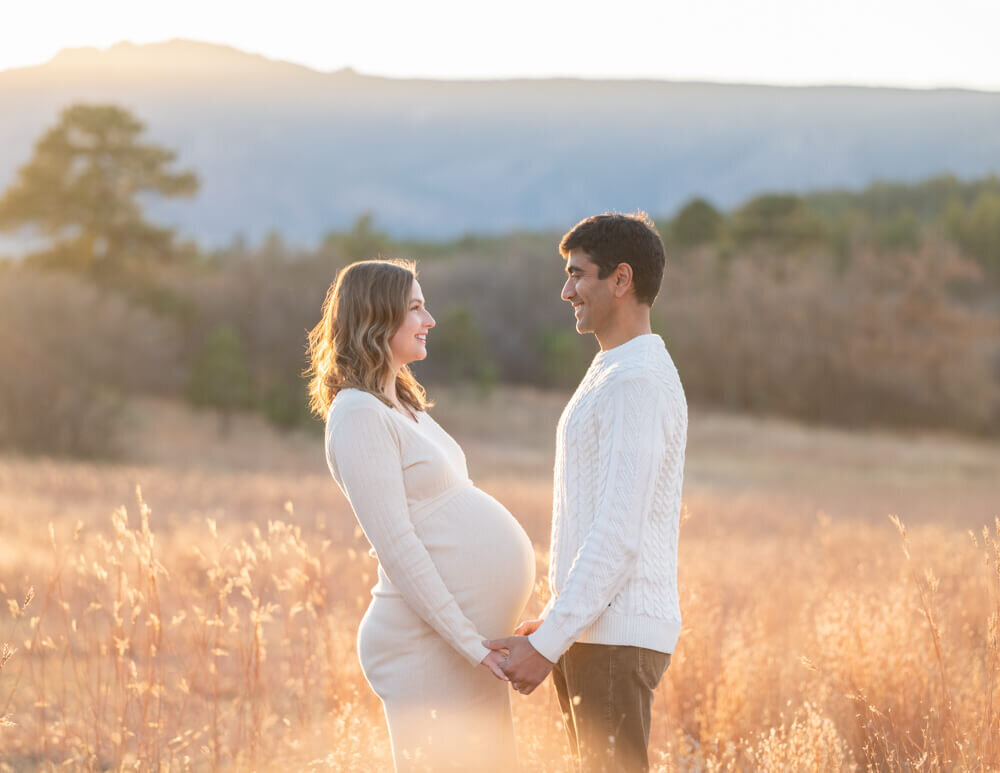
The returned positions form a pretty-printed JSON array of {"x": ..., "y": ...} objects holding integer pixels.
[
  {"x": 492, "y": 662},
  {"x": 527, "y": 628}
]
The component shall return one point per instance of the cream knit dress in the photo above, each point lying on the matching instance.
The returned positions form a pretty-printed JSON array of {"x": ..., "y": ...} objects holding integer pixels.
[{"x": 455, "y": 568}]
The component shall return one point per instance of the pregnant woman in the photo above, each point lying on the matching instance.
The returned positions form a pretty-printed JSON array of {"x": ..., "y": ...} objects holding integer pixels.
[{"x": 455, "y": 568}]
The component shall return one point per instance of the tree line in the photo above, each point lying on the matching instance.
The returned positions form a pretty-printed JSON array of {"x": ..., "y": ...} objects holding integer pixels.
[{"x": 879, "y": 307}]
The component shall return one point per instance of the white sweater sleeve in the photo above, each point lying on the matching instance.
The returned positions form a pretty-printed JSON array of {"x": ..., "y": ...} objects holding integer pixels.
[
  {"x": 365, "y": 449},
  {"x": 630, "y": 425}
]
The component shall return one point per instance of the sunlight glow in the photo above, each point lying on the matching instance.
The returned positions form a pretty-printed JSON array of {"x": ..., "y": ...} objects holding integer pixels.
[{"x": 912, "y": 43}]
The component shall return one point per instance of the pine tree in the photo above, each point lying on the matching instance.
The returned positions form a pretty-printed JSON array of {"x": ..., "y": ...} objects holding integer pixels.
[{"x": 81, "y": 190}]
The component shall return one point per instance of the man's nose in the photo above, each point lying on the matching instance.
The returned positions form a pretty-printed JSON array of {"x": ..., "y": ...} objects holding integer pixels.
[{"x": 569, "y": 290}]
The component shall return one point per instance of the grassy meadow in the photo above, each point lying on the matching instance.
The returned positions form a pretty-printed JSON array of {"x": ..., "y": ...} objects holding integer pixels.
[{"x": 195, "y": 606}]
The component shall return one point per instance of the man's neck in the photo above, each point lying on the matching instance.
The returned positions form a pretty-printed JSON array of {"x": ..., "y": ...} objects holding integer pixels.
[{"x": 625, "y": 329}]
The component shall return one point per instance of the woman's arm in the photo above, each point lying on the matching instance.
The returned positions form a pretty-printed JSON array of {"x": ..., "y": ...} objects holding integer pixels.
[{"x": 365, "y": 449}]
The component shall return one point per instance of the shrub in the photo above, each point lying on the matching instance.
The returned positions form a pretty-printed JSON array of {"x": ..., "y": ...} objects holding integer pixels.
[
  {"x": 459, "y": 342},
  {"x": 68, "y": 352}
]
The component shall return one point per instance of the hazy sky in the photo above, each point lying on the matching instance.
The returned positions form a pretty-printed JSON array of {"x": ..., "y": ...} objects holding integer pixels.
[{"x": 921, "y": 43}]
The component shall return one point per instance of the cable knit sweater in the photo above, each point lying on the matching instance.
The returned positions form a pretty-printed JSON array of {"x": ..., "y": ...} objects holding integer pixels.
[{"x": 616, "y": 505}]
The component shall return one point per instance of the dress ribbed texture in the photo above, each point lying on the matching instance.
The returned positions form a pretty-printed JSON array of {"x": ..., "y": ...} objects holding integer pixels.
[
  {"x": 455, "y": 568},
  {"x": 618, "y": 475}
]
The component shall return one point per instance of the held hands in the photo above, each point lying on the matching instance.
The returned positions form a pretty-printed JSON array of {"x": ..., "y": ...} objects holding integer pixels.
[
  {"x": 495, "y": 659},
  {"x": 492, "y": 662},
  {"x": 524, "y": 666}
]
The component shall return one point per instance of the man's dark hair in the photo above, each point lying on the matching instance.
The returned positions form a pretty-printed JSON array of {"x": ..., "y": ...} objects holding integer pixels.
[{"x": 611, "y": 239}]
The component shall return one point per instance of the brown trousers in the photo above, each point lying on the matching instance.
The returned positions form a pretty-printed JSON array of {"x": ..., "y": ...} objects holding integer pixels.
[{"x": 606, "y": 696}]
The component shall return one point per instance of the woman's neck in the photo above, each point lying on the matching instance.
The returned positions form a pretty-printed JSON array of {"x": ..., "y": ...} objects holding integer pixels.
[{"x": 389, "y": 388}]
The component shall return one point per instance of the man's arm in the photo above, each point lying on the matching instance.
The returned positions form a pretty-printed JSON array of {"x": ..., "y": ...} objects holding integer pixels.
[{"x": 632, "y": 425}]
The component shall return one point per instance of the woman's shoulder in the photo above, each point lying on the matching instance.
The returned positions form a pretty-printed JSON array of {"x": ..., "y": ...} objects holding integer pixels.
[
  {"x": 349, "y": 395},
  {"x": 358, "y": 420},
  {"x": 358, "y": 407},
  {"x": 355, "y": 406},
  {"x": 359, "y": 425}
]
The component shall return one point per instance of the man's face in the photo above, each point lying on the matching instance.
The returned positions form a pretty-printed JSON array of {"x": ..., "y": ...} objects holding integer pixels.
[{"x": 593, "y": 299}]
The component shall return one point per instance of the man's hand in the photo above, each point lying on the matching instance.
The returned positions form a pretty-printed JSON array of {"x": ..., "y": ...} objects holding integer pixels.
[
  {"x": 527, "y": 627},
  {"x": 524, "y": 665}
]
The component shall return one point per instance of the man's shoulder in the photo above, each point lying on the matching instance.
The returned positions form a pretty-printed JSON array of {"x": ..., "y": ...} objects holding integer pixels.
[
  {"x": 642, "y": 385},
  {"x": 656, "y": 372}
]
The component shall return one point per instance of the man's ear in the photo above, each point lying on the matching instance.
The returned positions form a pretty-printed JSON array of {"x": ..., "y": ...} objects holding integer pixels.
[{"x": 623, "y": 279}]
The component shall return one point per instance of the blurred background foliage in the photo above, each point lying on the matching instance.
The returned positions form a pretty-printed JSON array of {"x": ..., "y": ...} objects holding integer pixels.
[{"x": 878, "y": 307}]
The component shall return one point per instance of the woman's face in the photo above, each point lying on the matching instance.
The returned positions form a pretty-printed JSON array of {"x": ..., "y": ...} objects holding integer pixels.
[{"x": 409, "y": 343}]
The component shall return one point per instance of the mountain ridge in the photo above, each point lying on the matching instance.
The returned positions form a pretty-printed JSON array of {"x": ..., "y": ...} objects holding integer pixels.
[
  {"x": 77, "y": 54},
  {"x": 281, "y": 146}
]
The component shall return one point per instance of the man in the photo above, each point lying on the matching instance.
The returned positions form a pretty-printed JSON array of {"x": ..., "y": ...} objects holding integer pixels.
[{"x": 614, "y": 618}]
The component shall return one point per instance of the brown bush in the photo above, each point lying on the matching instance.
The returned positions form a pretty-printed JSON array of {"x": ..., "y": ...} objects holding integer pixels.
[
  {"x": 885, "y": 342},
  {"x": 68, "y": 352}
]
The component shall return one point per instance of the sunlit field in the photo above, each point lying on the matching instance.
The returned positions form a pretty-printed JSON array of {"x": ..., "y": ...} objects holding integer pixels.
[{"x": 209, "y": 621}]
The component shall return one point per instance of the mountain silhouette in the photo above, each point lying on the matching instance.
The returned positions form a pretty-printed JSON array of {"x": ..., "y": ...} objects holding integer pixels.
[{"x": 282, "y": 147}]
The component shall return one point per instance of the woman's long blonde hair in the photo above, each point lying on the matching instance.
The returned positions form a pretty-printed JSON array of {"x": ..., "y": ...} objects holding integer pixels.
[{"x": 364, "y": 308}]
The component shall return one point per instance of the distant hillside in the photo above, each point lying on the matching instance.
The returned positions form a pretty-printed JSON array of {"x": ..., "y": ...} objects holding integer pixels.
[{"x": 279, "y": 146}]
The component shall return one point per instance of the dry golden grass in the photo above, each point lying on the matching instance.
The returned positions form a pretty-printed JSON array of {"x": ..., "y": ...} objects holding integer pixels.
[{"x": 216, "y": 630}]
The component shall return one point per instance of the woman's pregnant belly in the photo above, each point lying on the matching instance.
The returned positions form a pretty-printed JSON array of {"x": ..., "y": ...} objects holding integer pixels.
[{"x": 484, "y": 558}]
